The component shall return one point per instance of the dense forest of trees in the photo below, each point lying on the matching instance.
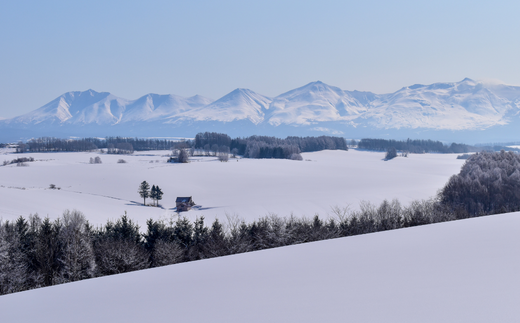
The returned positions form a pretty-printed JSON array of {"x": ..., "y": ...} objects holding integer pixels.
[
  {"x": 487, "y": 183},
  {"x": 415, "y": 146},
  {"x": 267, "y": 147},
  {"x": 37, "y": 252}
]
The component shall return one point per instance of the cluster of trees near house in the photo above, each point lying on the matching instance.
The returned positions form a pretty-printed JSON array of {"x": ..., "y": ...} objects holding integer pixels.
[
  {"x": 37, "y": 252},
  {"x": 155, "y": 193}
]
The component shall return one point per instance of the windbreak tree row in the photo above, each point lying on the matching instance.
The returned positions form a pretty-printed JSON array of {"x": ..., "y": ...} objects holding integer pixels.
[
  {"x": 268, "y": 147},
  {"x": 114, "y": 145},
  {"x": 414, "y": 146}
]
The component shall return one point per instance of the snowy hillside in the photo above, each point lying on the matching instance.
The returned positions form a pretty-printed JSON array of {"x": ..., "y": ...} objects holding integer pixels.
[
  {"x": 442, "y": 111},
  {"x": 461, "y": 271}
]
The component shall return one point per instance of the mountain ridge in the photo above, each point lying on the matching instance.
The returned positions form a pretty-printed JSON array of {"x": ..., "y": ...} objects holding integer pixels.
[{"x": 313, "y": 108}]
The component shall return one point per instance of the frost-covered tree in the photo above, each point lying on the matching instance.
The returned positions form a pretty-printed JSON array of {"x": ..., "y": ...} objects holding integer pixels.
[
  {"x": 183, "y": 156},
  {"x": 77, "y": 258},
  {"x": 167, "y": 253},
  {"x": 13, "y": 263}
]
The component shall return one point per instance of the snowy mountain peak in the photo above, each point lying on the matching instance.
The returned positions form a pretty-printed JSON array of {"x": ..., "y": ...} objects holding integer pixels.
[
  {"x": 239, "y": 104},
  {"x": 316, "y": 106}
]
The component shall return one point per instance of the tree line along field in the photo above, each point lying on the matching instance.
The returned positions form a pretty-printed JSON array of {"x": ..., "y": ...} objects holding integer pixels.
[{"x": 36, "y": 253}]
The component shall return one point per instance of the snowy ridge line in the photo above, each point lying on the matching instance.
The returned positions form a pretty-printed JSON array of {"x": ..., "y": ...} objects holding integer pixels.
[{"x": 318, "y": 107}]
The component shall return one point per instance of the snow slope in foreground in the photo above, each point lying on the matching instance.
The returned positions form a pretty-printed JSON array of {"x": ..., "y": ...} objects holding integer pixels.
[
  {"x": 249, "y": 188},
  {"x": 461, "y": 271}
]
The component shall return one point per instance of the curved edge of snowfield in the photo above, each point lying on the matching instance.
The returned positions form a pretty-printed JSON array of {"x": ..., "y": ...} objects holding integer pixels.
[{"x": 460, "y": 271}]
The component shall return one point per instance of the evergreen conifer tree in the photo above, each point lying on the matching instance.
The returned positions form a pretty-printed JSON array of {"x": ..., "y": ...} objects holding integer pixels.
[
  {"x": 158, "y": 194},
  {"x": 153, "y": 194},
  {"x": 144, "y": 191}
]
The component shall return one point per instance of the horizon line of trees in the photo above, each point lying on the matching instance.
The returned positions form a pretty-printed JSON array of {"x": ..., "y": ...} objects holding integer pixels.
[
  {"x": 36, "y": 253},
  {"x": 414, "y": 146},
  {"x": 114, "y": 145},
  {"x": 266, "y": 146}
]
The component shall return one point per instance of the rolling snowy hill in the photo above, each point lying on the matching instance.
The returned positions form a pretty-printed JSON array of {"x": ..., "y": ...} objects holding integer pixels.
[
  {"x": 460, "y": 271},
  {"x": 466, "y": 111}
]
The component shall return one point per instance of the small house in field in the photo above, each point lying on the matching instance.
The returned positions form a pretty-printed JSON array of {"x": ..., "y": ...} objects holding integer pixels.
[{"x": 184, "y": 203}]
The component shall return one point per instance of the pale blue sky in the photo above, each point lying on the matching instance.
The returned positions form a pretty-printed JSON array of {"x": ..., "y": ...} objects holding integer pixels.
[{"x": 131, "y": 48}]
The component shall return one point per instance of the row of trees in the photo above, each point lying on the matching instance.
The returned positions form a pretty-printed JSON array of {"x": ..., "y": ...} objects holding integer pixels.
[
  {"x": 120, "y": 148},
  {"x": 414, "y": 146},
  {"x": 18, "y": 161},
  {"x": 265, "y": 146},
  {"x": 114, "y": 145},
  {"x": 155, "y": 193}
]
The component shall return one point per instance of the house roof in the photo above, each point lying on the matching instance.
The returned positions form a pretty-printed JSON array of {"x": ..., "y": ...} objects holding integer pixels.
[{"x": 183, "y": 199}]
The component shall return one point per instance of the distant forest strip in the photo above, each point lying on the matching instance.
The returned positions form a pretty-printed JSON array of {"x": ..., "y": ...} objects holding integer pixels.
[
  {"x": 112, "y": 144},
  {"x": 268, "y": 147},
  {"x": 37, "y": 252},
  {"x": 249, "y": 147},
  {"x": 426, "y": 146}
]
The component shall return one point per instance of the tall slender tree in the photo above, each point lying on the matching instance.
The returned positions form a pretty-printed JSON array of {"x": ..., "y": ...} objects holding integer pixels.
[
  {"x": 159, "y": 193},
  {"x": 144, "y": 191}
]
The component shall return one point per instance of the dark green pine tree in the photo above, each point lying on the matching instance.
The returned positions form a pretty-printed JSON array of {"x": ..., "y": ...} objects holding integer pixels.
[
  {"x": 153, "y": 194},
  {"x": 158, "y": 194},
  {"x": 144, "y": 191}
]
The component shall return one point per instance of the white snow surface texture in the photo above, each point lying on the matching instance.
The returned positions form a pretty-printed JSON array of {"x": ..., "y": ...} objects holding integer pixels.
[
  {"x": 461, "y": 271},
  {"x": 464, "y": 105},
  {"x": 247, "y": 188}
]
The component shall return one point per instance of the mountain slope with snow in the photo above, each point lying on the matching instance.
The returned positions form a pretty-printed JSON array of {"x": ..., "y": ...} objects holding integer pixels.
[
  {"x": 451, "y": 106},
  {"x": 460, "y": 271},
  {"x": 313, "y": 103},
  {"x": 240, "y": 104},
  {"x": 457, "y": 109}
]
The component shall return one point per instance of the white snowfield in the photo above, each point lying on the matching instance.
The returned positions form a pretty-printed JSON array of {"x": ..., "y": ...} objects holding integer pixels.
[
  {"x": 247, "y": 188},
  {"x": 461, "y": 271}
]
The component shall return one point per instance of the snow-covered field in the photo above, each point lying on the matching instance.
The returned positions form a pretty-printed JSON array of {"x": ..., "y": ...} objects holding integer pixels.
[
  {"x": 248, "y": 188},
  {"x": 461, "y": 271}
]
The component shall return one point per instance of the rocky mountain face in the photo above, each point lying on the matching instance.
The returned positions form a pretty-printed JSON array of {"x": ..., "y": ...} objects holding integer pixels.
[{"x": 464, "y": 111}]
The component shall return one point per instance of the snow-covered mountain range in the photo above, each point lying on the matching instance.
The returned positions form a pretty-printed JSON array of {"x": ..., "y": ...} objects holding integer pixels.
[{"x": 466, "y": 110}]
